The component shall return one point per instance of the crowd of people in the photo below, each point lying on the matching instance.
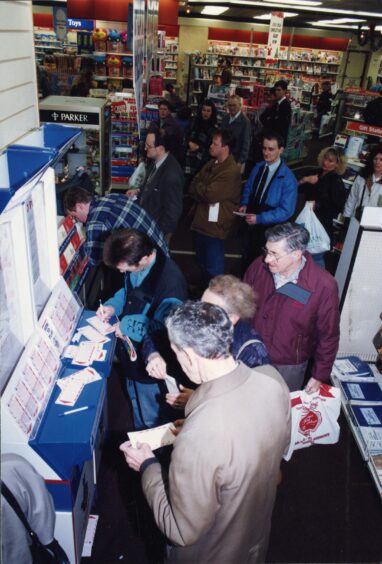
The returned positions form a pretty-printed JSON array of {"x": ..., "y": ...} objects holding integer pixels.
[{"x": 239, "y": 350}]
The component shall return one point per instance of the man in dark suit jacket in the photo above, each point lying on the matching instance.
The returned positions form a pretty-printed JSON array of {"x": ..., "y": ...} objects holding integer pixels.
[
  {"x": 169, "y": 125},
  {"x": 240, "y": 126},
  {"x": 277, "y": 118},
  {"x": 161, "y": 195}
]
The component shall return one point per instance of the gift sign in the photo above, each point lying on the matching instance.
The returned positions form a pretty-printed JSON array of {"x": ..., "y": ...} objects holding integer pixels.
[{"x": 274, "y": 37}]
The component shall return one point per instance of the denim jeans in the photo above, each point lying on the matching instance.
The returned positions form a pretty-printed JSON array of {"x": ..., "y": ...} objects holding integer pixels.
[{"x": 209, "y": 255}]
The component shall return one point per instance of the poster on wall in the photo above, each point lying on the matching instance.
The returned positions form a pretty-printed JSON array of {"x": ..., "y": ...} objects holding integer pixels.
[
  {"x": 139, "y": 53},
  {"x": 274, "y": 37},
  {"x": 151, "y": 34}
]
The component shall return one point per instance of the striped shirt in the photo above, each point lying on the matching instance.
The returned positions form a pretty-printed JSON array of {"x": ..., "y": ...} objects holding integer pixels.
[{"x": 112, "y": 212}]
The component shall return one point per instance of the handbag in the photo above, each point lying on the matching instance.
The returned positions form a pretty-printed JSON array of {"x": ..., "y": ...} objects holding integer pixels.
[{"x": 51, "y": 553}]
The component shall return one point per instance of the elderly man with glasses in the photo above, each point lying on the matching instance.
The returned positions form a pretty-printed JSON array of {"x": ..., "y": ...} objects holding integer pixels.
[
  {"x": 240, "y": 126},
  {"x": 297, "y": 307}
]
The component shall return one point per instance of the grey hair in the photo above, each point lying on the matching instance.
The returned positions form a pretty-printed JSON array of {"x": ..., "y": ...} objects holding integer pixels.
[
  {"x": 203, "y": 327},
  {"x": 296, "y": 236}
]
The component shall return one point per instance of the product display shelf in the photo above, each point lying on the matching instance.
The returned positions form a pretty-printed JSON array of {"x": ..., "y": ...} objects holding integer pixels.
[
  {"x": 124, "y": 139},
  {"x": 354, "y": 428},
  {"x": 73, "y": 261},
  {"x": 312, "y": 62}
]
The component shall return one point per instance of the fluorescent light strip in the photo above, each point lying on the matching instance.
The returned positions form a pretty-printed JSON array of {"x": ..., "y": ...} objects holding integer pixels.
[
  {"x": 214, "y": 10},
  {"x": 299, "y": 2},
  {"x": 301, "y": 8},
  {"x": 268, "y": 16}
]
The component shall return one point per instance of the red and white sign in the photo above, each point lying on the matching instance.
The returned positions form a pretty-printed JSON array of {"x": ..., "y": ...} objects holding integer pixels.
[
  {"x": 274, "y": 37},
  {"x": 364, "y": 128}
]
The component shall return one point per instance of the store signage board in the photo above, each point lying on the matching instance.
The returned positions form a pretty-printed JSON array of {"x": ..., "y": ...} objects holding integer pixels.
[
  {"x": 364, "y": 128},
  {"x": 274, "y": 37},
  {"x": 60, "y": 22},
  {"x": 59, "y": 116},
  {"x": 80, "y": 24}
]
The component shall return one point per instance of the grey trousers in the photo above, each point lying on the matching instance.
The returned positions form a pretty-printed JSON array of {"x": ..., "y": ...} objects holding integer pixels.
[{"x": 293, "y": 374}]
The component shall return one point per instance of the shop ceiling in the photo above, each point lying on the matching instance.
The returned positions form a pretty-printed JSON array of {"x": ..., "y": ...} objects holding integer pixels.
[{"x": 348, "y": 15}]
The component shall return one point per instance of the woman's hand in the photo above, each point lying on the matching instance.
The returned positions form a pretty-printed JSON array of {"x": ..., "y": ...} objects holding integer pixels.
[
  {"x": 313, "y": 179},
  {"x": 156, "y": 366}
]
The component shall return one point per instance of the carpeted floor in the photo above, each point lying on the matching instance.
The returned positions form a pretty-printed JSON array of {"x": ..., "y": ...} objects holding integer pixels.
[{"x": 327, "y": 508}]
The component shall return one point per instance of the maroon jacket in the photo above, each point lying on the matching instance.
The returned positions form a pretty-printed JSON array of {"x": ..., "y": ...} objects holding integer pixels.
[{"x": 294, "y": 332}]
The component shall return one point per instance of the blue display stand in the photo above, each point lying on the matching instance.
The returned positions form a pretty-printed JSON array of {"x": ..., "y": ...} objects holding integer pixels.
[
  {"x": 52, "y": 137},
  {"x": 64, "y": 441},
  {"x": 19, "y": 165},
  {"x": 31, "y": 156}
]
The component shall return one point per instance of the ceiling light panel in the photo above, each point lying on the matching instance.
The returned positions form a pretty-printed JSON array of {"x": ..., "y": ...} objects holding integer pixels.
[
  {"x": 214, "y": 10},
  {"x": 268, "y": 16},
  {"x": 304, "y": 8}
]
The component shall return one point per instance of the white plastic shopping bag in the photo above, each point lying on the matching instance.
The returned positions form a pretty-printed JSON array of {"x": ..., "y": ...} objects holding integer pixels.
[
  {"x": 314, "y": 418},
  {"x": 319, "y": 241},
  {"x": 138, "y": 176}
]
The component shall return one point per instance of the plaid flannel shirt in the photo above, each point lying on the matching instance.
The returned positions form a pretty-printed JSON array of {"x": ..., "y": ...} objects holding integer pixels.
[{"x": 112, "y": 212}]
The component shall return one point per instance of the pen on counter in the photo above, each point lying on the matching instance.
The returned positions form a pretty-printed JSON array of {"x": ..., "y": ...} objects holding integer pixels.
[
  {"x": 77, "y": 410},
  {"x": 101, "y": 308}
]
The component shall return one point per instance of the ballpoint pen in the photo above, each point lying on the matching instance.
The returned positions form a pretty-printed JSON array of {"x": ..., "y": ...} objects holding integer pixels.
[
  {"x": 101, "y": 308},
  {"x": 76, "y": 410}
]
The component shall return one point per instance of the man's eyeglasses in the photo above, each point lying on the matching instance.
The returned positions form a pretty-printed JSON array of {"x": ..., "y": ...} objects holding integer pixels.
[{"x": 272, "y": 255}]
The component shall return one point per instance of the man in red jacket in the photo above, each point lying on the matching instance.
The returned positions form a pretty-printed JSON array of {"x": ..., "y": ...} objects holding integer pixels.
[{"x": 297, "y": 307}]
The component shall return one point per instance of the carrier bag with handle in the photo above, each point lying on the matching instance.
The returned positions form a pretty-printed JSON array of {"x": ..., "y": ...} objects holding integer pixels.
[
  {"x": 314, "y": 418},
  {"x": 319, "y": 241}
]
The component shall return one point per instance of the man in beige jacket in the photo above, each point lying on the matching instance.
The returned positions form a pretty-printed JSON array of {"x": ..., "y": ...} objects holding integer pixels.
[{"x": 223, "y": 474}]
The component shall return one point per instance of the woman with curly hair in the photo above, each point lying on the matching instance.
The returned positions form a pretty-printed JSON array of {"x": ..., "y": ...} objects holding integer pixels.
[{"x": 327, "y": 190}]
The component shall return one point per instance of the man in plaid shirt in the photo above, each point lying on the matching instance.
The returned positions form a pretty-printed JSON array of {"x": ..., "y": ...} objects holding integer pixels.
[{"x": 103, "y": 215}]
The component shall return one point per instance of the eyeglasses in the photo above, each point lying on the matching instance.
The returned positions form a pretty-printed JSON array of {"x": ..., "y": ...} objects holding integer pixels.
[
  {"x": 149, "y": 146},
  {"x": 272, "y": 255}
]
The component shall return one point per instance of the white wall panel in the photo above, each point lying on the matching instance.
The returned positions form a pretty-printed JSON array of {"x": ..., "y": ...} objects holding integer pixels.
[
  {"x": 15, "y": 15},
  {"x": 12, "y": 129},
  {"x": 18, "y": 90},
  {"x": 16, "y": 72}
]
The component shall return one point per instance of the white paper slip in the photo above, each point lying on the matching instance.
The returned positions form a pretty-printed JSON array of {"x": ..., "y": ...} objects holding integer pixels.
[
  {"x": 87, "y": 352},
  {"x": 89, "y": 536},
  {"x": 241, "y": 214},
  {"x": 86, "y": 376},
  {"x": 155, "y": 438},
  {"x": 70, "y": 351},
  {"x": 213, "y": 212},
  {"x": 93, "y": 335},
  {"x": 70, "y": 394},
  {"x": 171, "y": 384},
  {"x": 102, "y": 326}
]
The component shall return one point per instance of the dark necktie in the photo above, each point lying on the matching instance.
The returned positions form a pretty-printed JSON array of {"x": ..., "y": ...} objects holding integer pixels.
[{"x": 258, "y": 191}]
